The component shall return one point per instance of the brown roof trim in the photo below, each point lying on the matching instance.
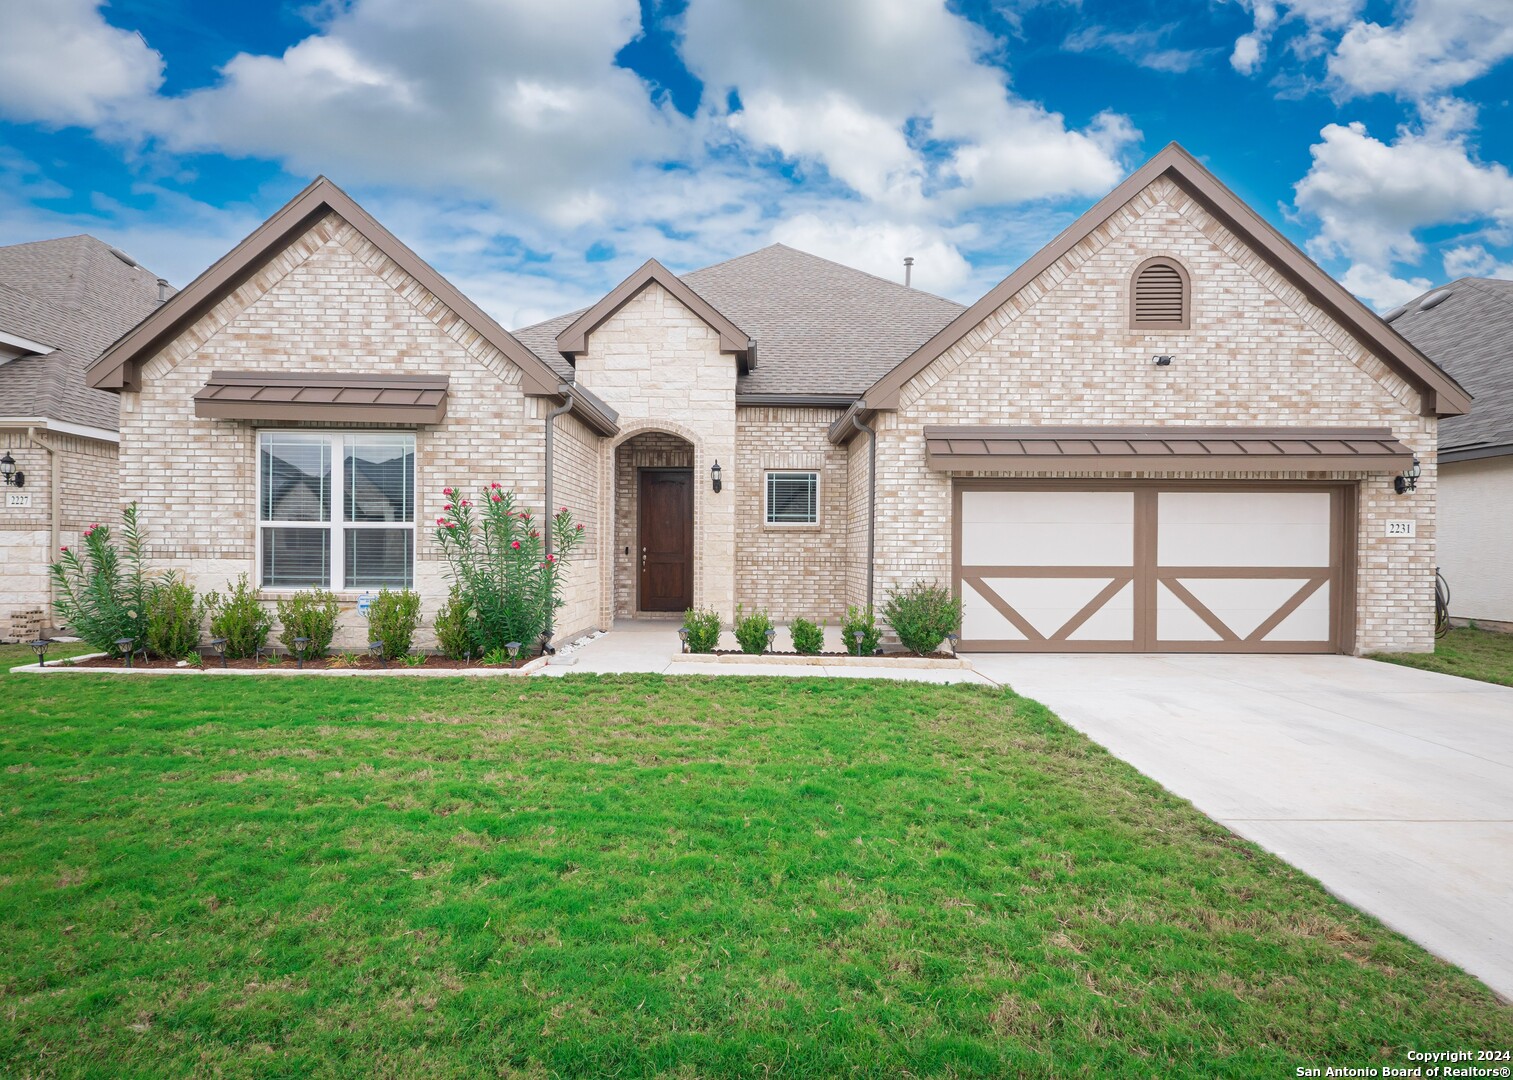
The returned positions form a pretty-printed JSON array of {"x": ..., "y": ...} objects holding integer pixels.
[
  {"x": 1475, "y": 453},
  {"x": 344, "y": 398},
  {"x": 573, "y": 339},
  {"x": 117, "y": 368},
  {"x": 812, "y": 401},
  {"x": 591, "y": 410},
  {"x": 842, "y": 430},
  {"x": 1167, "y": 448},
  {"x": 1440, "y": 394}
]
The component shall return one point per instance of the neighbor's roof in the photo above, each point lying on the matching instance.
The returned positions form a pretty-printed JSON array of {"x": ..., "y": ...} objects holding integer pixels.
[
  {"x": 1466, "y": 327},
  {"x": 821, "y": 329},
  {"x": 76, "y": 294}
]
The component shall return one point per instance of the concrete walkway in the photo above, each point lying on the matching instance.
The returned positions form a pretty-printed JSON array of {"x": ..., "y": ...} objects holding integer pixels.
[
  {"x": 652, "y": 646},
  {"x": 1392, "y": 786}
]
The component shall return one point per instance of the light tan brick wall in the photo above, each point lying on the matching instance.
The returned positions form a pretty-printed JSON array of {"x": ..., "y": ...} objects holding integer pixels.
[
  {"x": 659, "y": 366},
  {"x": 858, "y": 501},
  {"x": 1258, "y": 353},
  {"x": 790, "y": 570},
  {"x": 330, "y": 302},
  {"x": 89, "y": 493},
  {"x": 577, "y": 485}
]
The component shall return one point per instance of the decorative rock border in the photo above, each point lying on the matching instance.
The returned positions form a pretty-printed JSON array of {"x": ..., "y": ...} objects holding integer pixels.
[
  {"x": 795, "y": 660},
  {"x": 530, "y": 667}
]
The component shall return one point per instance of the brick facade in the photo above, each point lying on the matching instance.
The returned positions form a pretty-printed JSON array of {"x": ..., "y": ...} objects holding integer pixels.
[{"x": 648, "y": 450}]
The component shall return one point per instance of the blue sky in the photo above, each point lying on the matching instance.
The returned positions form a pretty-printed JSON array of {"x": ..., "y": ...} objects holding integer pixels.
[{"x": 537, "y": 152}]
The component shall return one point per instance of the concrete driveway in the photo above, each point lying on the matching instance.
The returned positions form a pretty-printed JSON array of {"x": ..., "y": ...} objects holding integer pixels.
[{"x": 1392, "y": 786}]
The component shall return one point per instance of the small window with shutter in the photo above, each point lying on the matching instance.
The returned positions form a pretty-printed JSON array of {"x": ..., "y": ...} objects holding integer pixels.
[{"x": 1159, "y": 296}]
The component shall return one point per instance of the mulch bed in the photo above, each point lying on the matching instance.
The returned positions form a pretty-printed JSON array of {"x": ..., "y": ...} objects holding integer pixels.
[
  {"x": 852, "y": 656},
  {"x": 324, "y": 663}
]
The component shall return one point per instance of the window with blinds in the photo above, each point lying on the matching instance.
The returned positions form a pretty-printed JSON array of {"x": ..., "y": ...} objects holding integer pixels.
[
  {"x": 793, "y": 498},
  {"x": 1159, "y": 295},
  {"x": 336, "y": 511}
]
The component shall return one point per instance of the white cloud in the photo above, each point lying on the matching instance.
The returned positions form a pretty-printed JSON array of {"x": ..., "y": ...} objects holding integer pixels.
[
  {"x": 1474, "y": 260},
  {"x": 64, "y": 64},
  {"x": 1380, "y": 289},
  {"x": 1437, "y": 46},
  {"x": 879, "y": 248},
  {"x": 1313, "y": 19},
  {"x": 1147, "y": 48}
]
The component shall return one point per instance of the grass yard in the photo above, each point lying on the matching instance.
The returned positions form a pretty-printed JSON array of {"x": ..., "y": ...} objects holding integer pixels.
[
  {"x": 1468, "y": 652},
  {"x": 647, "y": 877}
]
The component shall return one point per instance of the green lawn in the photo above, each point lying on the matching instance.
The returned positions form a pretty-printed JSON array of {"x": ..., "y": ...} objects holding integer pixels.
[
  {"x": 1468, "y": 652},
  {"x": 639, "y": 876}
]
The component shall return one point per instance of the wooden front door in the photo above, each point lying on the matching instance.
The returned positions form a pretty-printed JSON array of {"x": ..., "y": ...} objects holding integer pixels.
[{"x": 666, "y": 539}]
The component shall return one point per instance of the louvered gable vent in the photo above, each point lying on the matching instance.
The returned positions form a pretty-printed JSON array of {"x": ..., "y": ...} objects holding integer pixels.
[{"x": 1159, "y": 296}]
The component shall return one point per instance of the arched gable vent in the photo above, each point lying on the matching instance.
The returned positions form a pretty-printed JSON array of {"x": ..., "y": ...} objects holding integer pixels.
[{"x": 1160, "y": 296}]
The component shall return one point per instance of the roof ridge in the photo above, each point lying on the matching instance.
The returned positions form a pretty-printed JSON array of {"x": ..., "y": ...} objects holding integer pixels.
[{"x": 832, "y": 262}]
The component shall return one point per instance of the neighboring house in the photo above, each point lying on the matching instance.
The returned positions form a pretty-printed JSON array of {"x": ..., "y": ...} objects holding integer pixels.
[
  {"x": 1167, "y": 431},
  {"x": 61, "y": 303},
  {"x": 1467, "y": 328}
]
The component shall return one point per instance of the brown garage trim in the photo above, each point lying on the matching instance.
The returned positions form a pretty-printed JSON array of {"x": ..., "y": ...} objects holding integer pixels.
[
  {"x": 347, "y": 398},
  {"x": 1341, "y": 575},
  {"x": 1107, "y": 593}
]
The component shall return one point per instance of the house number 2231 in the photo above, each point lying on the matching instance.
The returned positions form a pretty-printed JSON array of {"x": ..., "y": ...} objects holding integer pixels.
[{"x": 1401, "y": 528}]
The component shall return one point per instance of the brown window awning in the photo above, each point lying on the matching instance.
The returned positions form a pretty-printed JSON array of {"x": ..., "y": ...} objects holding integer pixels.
[
  {"x": 1165, "y": 449},
  {"x": 372, "y": 399}
]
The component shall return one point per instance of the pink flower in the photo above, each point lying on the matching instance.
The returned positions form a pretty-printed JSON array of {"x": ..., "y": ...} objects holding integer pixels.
[
  {"x": 515, "y": 544},
  {"x": 442, "y": 520},
  {"x": 525, "y": 515},
  {"x": 578, "y": 527},
  {"x": 446, "y": 491},
  {"x": 451, "y": 524},
  {"x": 561, "y": 509},
  {"x": 535, "y": 535},
  {"x": 497, "y": 498},
  {"x": 64, "y": 549},
  {"x": 95, "y": 526},
  {"x": 494, "y": 486},
  {"x": 466, "y": 503},
  {"x": 447, "y": 507},
  {"x": 551, "y": 558}
]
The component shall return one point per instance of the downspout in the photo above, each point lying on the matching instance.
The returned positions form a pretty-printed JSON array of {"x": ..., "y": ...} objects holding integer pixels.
[
  {"x": 55, "y": 511},
  {"x": 871, "y": 490},
  {"x": 551, "y": 424}
]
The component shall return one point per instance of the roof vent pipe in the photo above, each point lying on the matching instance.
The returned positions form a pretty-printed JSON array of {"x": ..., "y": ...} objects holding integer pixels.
[
  {"x": 162, "y": 290},
  {"x": 908, "y": 269}
]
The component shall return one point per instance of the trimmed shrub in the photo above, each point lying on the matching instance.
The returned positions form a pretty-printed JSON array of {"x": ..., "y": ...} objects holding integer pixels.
[
  {"x": 103, "y": 598},
  {"x": 808, "y": 639},
  {"x": 751, "y": 630},
  {"x": 703, "y": 630},
  {"x": 174, "y": 615},
  {"x": 922, "y": 615},
  {"x": 454, "y": 627},
  {"x": 308, "y": 614},
  {"x": 392, "y": 618},
  {"x": 861, "y": 618},
  {"x": 239, "y": 618}
]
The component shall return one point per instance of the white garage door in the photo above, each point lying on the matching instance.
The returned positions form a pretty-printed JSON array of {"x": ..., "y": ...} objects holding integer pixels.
[{"x": 1150, "y": 568}]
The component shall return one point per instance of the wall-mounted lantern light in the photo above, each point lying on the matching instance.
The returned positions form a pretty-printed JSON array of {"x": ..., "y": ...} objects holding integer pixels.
[
  {"x": 1409, "y": 480},
  {"x": 14, "y": 477},
  {"x": 714, "y": 476}
]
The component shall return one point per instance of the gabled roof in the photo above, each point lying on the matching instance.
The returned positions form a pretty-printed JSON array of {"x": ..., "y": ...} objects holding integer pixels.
[
  {"x": 1467, "y": 328},
  {"x": 118, "y": 367},
  {"x": 1440, "y": 394},
  {"x": 573, "y": 338},
  {"x": 73, "y": 295},
  {"x": 825, "y": 331}
]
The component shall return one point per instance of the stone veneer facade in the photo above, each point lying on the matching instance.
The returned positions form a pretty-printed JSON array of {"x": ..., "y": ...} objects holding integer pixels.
[{"x": 1258, "y": 353}]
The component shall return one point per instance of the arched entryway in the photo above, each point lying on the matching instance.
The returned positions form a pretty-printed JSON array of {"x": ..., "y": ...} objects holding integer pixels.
[{"x": 654, "y": 525}]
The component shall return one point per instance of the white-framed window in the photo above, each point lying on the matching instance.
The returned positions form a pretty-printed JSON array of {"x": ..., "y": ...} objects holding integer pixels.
[
  {"x": 335, "y": 510},
  {"x": 793, "y": 498}
]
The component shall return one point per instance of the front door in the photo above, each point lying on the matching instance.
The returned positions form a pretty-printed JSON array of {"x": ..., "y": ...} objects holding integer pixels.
[{"x": 666, "y": 539}]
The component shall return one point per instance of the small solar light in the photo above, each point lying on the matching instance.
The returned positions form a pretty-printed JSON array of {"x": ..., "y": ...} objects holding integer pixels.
[
  {"x": 953, "y": 638},
  {"x": 770, "y": 635},
  {"x": 683, "y": 637},
  {"x": 40, "y": 648},
  {"x": 514, "y": 650},
  {"x": 857, "y": 635},
  {"x": 299, "y": 650},
  {"x": 124, "y": 645},
  {"x": 219, "y": 645},
  {"x": 376, "y": 651}
]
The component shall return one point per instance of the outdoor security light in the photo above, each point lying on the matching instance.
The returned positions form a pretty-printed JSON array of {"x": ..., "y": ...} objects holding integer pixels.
[
  {"x": 14, "y": 477},
  {"x": 219, "y": 645},
  {"x": 40, "y": 648},
  {"x": 299, "y": 650},
  {"x": 714, "y": 476},
  {"x": 1409, "y": 480},
  {"x": 1162, "y": 361},
  {"x": 376, "y": 651}
]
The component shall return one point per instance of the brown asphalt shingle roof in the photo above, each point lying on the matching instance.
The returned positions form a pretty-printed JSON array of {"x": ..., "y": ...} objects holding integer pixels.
[
  {"x": 820, "y": 327},
  {"x": 72, "y": 293},
  {"x": 1470, "y": 335}
]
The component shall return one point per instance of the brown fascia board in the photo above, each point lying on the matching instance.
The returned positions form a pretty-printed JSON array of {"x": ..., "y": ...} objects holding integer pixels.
[
  {"x": 1475, "y": 453},
  {"x": 573, "y": 339},
  {"x": 812, "y": 401},
  {"x": 842, "y": 430},
  {"x": 118, "y": 367},
  {"x": 1440, "y": 394},
  {"x": 591, "y": 410}
]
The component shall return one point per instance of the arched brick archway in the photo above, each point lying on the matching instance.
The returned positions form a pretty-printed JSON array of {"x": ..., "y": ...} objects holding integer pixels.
[{"x": 655, "y": 473}]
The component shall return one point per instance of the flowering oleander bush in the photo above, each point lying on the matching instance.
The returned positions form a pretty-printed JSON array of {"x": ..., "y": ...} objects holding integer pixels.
[
  {"x": 861, "y": 618},
  {"x": 808, "y": 638},
  {"x": 703, "y": 630},
  {"x": 102, "y": 597},
  {"x": 751, "y": 630},
  {"x": 240, "y": 618},
  {"x": 922, "y": 615},
  {"x": 497, "y": 558}
]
